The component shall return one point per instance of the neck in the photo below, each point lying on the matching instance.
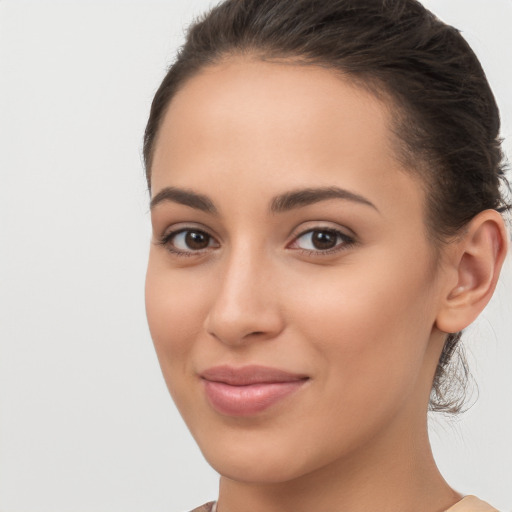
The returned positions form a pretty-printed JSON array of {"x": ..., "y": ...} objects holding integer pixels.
[{"x": 393, "y": 473}]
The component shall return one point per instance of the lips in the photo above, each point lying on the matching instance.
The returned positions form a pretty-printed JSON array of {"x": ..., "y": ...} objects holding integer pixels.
[{"x": 248, "y": 390}]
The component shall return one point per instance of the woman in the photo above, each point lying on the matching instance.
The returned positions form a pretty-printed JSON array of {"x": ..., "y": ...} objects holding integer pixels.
[{"x": 326, "y": 215}]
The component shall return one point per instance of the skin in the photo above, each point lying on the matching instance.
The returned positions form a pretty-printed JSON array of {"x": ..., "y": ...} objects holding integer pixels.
[{"x": 365, "y": 321}]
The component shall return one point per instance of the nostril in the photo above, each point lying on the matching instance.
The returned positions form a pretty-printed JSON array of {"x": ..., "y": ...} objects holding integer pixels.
[{"x": 234, "y": 321}]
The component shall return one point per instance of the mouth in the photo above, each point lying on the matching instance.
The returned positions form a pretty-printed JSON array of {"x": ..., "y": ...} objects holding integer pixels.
[{"x": 248, "y": 390}]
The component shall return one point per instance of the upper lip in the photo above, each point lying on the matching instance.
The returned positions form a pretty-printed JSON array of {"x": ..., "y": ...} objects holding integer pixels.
[{"x": 251, "y": 374}]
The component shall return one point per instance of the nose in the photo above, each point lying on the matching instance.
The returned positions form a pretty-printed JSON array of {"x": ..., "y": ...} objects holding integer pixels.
[{"x": 245, "y": 304}]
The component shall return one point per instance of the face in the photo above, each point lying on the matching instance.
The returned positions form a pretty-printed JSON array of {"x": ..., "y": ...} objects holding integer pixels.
[{"x": 290, "y": 290}]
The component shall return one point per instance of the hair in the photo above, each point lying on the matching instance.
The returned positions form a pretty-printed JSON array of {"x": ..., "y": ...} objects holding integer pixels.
[{"x": 444, "y": 114}]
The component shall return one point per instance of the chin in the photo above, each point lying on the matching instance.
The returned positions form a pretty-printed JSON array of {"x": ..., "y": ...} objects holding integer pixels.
[
  {"x": 256, "y": 470},
  {"x": 251, "y": 458},
  {"x": 260, "y": 458}
]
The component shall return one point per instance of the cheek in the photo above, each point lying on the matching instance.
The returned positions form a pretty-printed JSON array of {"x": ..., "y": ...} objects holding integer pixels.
[
  {"x": 369, "y": 327},
  {"x": 174, "y": 311}
]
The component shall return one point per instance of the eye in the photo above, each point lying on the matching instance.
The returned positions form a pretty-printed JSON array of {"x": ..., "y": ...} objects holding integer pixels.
[
  {"x": 188, "y": 241},
  {"x": 324, "y": 240}
]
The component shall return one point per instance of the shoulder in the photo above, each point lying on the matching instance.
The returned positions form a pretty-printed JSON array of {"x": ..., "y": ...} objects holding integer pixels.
[
  {"x": 472, "y": 504},
  {"x": 207, "y": 507}
]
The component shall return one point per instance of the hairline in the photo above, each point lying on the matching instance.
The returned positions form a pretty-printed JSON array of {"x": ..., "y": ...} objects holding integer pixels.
[{"x": 416, "y": 166}]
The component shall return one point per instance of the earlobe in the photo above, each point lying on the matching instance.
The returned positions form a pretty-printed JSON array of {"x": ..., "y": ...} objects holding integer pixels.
[{"x": 476, "y": 262}]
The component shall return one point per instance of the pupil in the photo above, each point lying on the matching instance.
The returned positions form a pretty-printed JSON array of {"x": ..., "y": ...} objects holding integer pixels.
[
  {"x": 197, "y": 240},
  {"x": 324, "y": 239}
]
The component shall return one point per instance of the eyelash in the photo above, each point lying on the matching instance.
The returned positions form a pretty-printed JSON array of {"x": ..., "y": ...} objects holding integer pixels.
[
  {"x": 167, "y": 238},
  {"x": 346, "y": 242}
]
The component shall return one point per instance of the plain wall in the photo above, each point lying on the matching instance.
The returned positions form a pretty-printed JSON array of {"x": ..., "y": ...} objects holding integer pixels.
[{"x": 86, "y": 423}]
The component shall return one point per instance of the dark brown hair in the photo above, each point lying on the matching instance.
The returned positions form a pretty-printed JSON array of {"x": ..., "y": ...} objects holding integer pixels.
[{"x": 444, "y": 113}]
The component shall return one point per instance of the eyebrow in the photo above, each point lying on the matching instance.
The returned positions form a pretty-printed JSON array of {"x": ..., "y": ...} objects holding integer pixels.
[
  {"x": 185, "y": 197},
  {"x": 281, "y": 203},
  {"x": 307, "y": 196}
]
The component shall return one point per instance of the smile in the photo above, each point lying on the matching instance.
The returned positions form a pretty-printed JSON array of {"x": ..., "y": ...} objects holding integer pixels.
[{"x": 248, "y": 390}]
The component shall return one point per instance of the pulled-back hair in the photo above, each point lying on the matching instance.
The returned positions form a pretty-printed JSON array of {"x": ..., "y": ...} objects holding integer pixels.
[{"x": 444, "y": 113}]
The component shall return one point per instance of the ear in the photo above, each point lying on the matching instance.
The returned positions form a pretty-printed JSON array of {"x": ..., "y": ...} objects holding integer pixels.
[{"x": 473, "y": 266}]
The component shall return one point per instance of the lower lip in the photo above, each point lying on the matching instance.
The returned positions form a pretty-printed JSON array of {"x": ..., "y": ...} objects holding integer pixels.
[{"x": 248, "y": 400}]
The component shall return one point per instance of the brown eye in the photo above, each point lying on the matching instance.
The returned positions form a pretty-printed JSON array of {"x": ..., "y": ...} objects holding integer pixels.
[
  {"x": 188, "y": 241},
  {"x": 322, "y": 240},
  {"x": 197, "y": 240}
]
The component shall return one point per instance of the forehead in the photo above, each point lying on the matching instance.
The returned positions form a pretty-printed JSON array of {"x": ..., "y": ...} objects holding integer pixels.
[{"x": 277, "y": 126}]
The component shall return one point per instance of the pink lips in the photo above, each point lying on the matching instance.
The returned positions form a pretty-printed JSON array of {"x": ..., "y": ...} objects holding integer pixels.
[{"x": 248, "y": 390}]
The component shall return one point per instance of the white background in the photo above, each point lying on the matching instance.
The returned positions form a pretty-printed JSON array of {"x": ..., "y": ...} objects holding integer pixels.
[{"x": 85, "y": 420}]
